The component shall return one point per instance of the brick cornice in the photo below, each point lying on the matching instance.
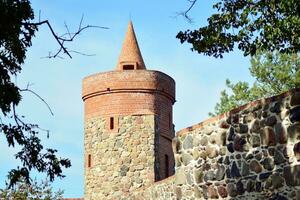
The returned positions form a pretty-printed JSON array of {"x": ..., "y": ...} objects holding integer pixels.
[
  {"x": 132, "y": 90},
  {"x": 130, "y": 80}
]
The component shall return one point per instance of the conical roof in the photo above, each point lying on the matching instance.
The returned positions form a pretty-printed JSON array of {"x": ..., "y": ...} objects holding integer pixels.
[{"x": 130, "y": 53}]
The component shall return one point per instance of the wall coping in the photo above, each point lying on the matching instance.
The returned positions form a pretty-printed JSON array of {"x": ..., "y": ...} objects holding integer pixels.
[
  {"x": 236, "y": 110},
  {"x": 73, "y": 199}
]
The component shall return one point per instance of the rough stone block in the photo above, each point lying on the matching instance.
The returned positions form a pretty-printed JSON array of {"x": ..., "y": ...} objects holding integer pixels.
[
  {"x": 211, "y": 151},
  {"x": 255, "y": 126},
  {"x": 238, "y": 143},
  {"x": 291, "y": 175},
  {"x": 277, "y": 181},
  {"x": 240, "y": 187},
  {"x": 242, "y": 128},
  {"x": 186, "y": 158},
  {"x": 220, "y": 173},
  {"x": 234, "y": 171},
  {"x": 270, "y": 121},
  {"x": 268, "y": 136},
  {"x": 268, "y": 163},
  {"x": 180, "y": 177},
  {"x": 198, "y": 175},
  {"x": 188, "y": 142},
  {"x": 212, "y": 192},
  {"x": 295, "y": 114},
  {"x": 255, "y": 166},
  {"x": 278, "y": 157},
  {"x": 231, "y": 189},
  {"x": 222, "y": 191},
  {"x": 295, "y": 99},
  {"x": 280, "y": 133},
  {"x": 294, "y": 132},
  {"x": 296, "y": 150}
]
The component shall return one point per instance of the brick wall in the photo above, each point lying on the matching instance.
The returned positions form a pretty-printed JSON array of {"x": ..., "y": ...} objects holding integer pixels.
[{"x": 127, "y": 92}]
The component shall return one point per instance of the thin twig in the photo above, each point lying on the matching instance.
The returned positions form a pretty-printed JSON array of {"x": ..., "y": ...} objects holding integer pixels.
[
  {"x": 68, "y": 31},
  {"x": 80, "y": 53},
  {"x": 185, "y": 13},
  {"x": 17, "y": 120},
  {"x": 38, "y": 96}
]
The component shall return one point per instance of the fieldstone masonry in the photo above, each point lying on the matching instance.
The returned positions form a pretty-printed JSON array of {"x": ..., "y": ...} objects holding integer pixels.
[
  {"x": 249, "y": 153},
  {"x": 122, "y": 160}
]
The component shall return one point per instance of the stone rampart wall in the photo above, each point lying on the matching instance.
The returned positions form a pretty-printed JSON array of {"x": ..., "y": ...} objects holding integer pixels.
[
  {"x": 252, "y": 152},
  {"x": 160, "y": 190}
]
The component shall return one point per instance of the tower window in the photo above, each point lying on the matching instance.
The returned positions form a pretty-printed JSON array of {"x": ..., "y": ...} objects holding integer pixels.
[
  {"x": 170, "y": 121},
  {"x": 111, "y": 123},
  {"x": 128, "y": 67},
  {"x": 89, "y": 160},
  {"x": 166, "y": 166}
]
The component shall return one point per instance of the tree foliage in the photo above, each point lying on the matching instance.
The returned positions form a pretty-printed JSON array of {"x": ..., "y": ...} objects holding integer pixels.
[
  {"x": 249, "y": 25},
  {"x": 16, "y": 33},
  {"x": 274, "y": 73},
  {"x": 34, "y": 191}
]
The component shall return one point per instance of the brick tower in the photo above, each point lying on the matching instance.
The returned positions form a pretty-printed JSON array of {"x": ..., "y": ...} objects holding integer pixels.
[{"x": 128, "y": 126}]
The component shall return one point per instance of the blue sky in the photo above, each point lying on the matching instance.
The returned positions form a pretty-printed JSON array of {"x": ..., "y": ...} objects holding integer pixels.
[{"x": 199, "y": 79}]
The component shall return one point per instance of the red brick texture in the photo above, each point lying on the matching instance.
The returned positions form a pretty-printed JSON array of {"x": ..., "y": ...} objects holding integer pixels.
[{"x": 127, "y": 92}]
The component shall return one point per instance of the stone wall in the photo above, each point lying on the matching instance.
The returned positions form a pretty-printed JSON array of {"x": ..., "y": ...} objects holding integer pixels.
[
  {"x": 122, "y": 159},
  {"x": 161, "y": 190},
  {"x": 252, "y": 152}
]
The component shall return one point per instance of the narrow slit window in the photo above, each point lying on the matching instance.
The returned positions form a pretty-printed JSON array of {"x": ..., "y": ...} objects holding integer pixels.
[
  {"x": 111, "y": 123},
  {"x": 89, "y": 160},
  {"x": 166, "y": 166},
  {"x": 169, "y": 121},
  {"x": 128, "y": 67}
]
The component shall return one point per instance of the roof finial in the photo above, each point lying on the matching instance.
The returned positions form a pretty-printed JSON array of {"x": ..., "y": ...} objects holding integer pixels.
[{"x": 130, "y": 56}]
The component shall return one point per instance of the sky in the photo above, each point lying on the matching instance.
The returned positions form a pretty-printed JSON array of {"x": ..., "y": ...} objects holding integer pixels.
[{"x": 199, "y": 79}]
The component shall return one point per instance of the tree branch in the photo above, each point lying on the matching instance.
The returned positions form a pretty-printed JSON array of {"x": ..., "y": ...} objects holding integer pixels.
[
  {"x": 38, "y": 96},
  {"x": 185, "y": 13},
  {"x": 62, "y": 39}
]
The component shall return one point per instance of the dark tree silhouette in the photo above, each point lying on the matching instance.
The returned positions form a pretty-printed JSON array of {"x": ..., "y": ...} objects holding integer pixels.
[{"x": 17, "y": 29}]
